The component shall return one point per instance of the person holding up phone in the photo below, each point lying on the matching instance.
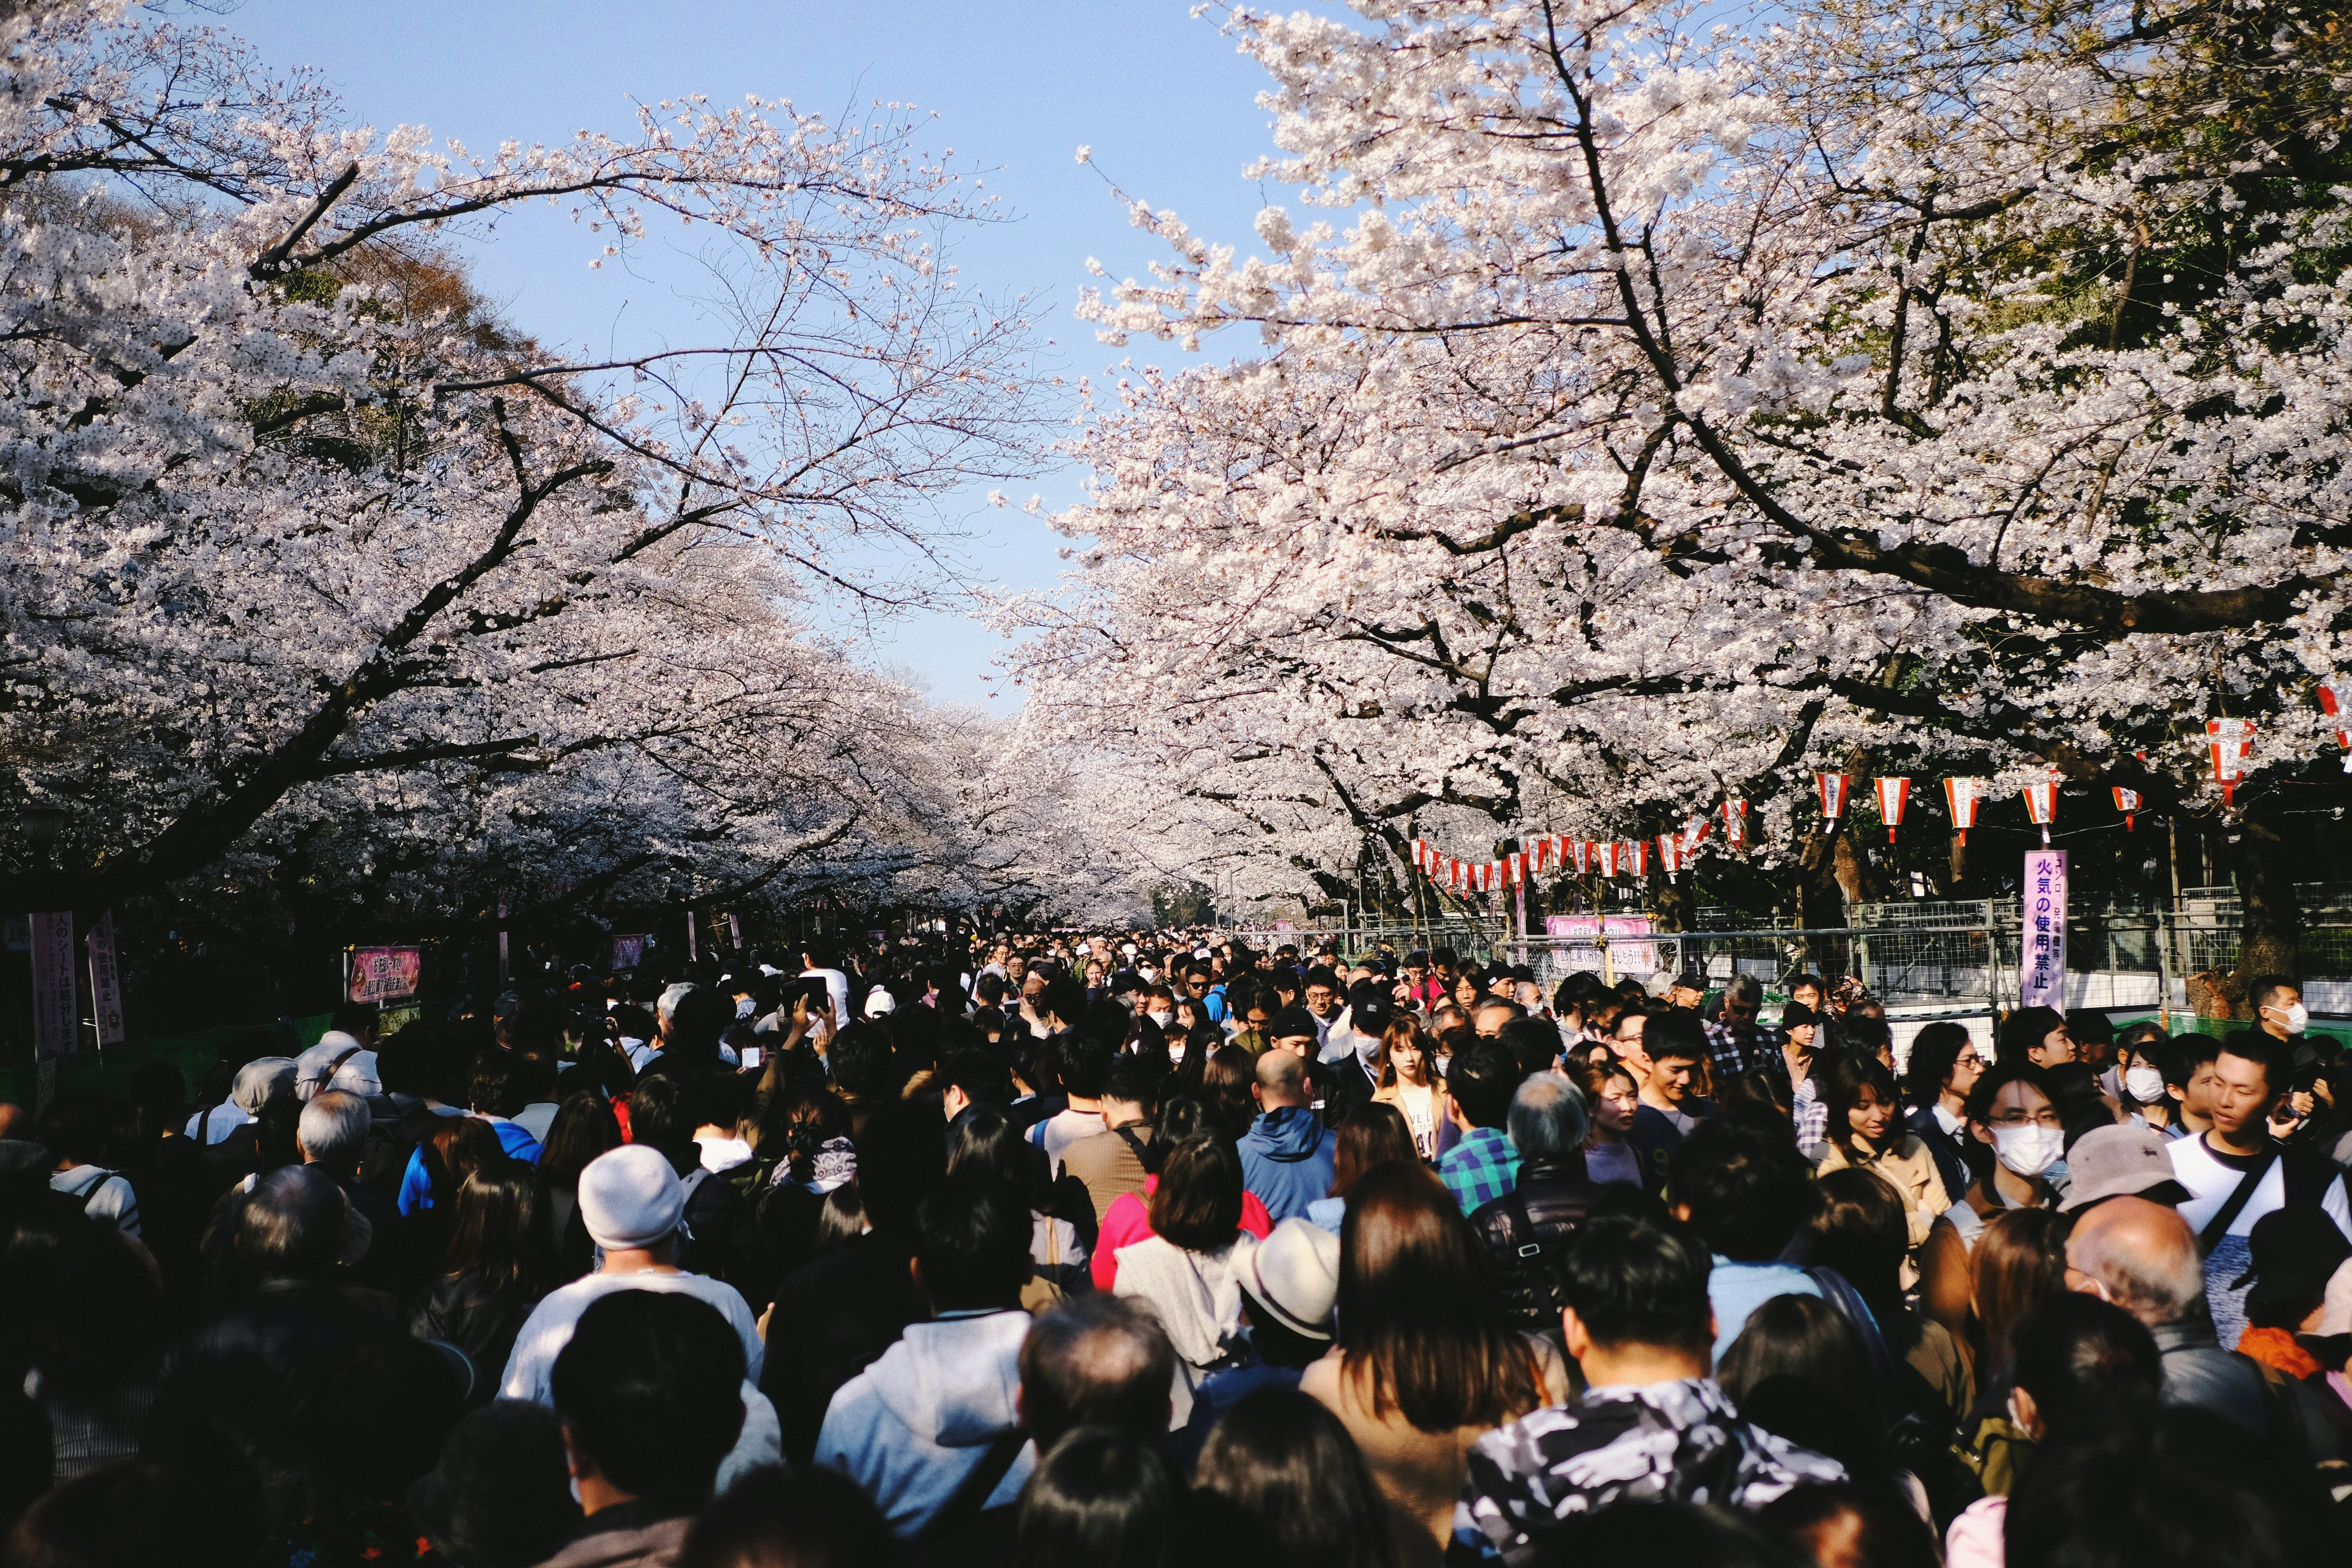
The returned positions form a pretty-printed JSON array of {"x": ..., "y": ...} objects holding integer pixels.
[{"x": 2243, "y": 1169}]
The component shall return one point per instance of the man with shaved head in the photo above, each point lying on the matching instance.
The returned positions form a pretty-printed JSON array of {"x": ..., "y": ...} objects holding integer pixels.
[
  {"x": 2143, "y": 1257},
  {"x": 1287, "y": 1154}
]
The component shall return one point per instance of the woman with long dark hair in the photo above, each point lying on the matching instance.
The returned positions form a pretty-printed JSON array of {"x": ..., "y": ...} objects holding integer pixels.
[
  {"x": 1283, "y": 1464},
  {"x": 1371, "y": 1135},
  {"x": 499, "y": 1263},
  {"x": 985, "y": 1142},
  {"x": 1856, "y": 1226},
  {"x": 1427, "y": 1360},
  {"x": 584, "y": 1128},
  {"x": 1226, "y": 1082}
]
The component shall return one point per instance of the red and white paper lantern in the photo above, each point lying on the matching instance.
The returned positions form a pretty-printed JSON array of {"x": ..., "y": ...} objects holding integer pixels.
[
  {"x": 2042, "y": 804},
  {"x": 1893, "y": 795},
  {"x": 2331, "y": 702},
  {"x": 2231, "y": 741},
  {"x": 1835, "y": 788},
  {"x": 2128, "y": 802},
  {"x": 1963, "y": 797},
  {"x": 1735, "y": 823}
]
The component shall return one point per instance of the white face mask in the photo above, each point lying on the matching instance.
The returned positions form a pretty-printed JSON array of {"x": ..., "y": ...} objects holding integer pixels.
[
  {"x": 1161, "y": 1016},
  {"x": 2297, "y": 1018},
  {"x": 2144, "y": 1084},
  {"x": 2028, "y": 1150}
]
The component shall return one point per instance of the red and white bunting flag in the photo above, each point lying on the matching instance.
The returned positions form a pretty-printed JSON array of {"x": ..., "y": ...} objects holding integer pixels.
[
  {"x": 1834, "y": 788},
  {"x": 1606, "y": 858},
  {"x": 1893, "y": 795},
  {"x": 2042, "y": 804},
  {"x": 1963, "y": 797},
  {"x": 1453, "y": 874},
  {"x": 1638, "y": 852},
  {"x": 2231, "y": 741},
  {"x": 2331, "y": 702},
  {"x": 1735, "y": 823},
  {"x": 1515, "y": 870},
  {"x": 1670, "y": 854},
  {"x": 1694, "y": 833},
  {"x": 1419, "y": 854},
  {"x": 2127, "y": 802},
  {"x": 1583, "y": 850}
]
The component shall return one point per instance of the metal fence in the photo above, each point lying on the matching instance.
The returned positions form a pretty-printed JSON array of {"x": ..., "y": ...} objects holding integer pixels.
[{"x": 1911, "y": 953}]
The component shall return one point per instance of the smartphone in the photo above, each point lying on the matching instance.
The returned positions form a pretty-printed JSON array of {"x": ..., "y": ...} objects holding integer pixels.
[{"x": 750, "y": 1056}]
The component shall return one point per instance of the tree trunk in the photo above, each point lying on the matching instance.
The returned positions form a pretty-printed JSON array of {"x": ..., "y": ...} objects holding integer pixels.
[
  {"x": 2271, "y": 934},
  {"x": 1857, "y": 881}
]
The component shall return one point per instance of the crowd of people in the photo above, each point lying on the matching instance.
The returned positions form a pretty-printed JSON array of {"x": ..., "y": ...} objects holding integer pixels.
[{"x": 1116, "y": 1252}]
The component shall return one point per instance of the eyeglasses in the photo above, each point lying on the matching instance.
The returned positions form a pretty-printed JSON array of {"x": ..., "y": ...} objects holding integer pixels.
[{"x": 2046, "y": 1117}]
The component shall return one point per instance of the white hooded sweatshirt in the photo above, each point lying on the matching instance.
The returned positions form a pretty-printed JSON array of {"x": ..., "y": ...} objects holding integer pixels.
[{"x": 911, "y": 1426}]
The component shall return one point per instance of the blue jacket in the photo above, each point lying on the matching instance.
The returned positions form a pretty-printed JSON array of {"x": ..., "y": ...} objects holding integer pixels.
[
  {"x": 416, "y": 1187},
  {"x": 1287, "y": 1159}
]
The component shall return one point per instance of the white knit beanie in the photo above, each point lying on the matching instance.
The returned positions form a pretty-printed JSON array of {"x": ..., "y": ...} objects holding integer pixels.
[{"x": 630, "y": 1198}]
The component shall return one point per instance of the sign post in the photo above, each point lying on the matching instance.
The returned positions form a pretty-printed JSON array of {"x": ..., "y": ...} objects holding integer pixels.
[
  {"x": 105, "y": 982},
  {"x": 2041, "y": 961},
  {"x": 54, "y": 1013}
]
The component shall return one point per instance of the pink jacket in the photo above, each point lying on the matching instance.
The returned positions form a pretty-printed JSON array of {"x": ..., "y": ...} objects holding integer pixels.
[
  {"x": 1975, "y": 1539},
  {"x": 1128, "y": 1221}
]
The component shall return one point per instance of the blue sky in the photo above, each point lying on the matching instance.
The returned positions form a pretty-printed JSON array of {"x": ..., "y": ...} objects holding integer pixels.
[{"x": 1161, "y": 97}]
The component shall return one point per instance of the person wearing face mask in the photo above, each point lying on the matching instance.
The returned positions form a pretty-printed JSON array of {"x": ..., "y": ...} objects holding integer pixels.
[
  {"x": 2279, "y": 1012},
  {"x": 2017, "y": 1134},
  {"x": 2239, "y": 1171},
  {"x": 1158, "y": 1005},
  {"x": 2145, "y": 1068}
]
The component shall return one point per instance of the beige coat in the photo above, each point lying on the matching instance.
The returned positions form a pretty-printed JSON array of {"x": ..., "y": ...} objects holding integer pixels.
[
  {"x": 1910, "y": 1169},
  {"x": 1394, "y": 1093}
]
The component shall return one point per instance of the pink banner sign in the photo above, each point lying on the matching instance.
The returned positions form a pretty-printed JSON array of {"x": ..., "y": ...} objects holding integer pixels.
[
  {"x": 2042, "y": 968},
  {"x": 385, "y": 973},
  {"x": 55, "y": 1009}
]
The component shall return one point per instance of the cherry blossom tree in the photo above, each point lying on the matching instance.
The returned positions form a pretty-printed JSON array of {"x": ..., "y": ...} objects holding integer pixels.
[
  {"x": 315, "y": 567},
  {"x": 1655, "y": 411}
]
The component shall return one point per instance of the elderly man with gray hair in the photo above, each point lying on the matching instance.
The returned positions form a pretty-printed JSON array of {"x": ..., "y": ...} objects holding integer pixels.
[
  {"x": 2142, "y": 1257},
  {"x": 1528, "y": 1230}
]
